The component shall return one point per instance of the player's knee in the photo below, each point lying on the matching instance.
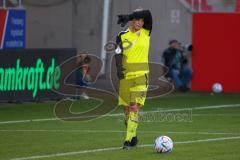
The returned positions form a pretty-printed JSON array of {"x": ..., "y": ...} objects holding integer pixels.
[
  {"x": 134, "y": 108},
  {"x": 126, "y": 110}
]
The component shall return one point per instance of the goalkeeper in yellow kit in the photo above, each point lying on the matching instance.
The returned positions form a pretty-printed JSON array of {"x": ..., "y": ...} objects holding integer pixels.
[{"x": 132, "y": 68}]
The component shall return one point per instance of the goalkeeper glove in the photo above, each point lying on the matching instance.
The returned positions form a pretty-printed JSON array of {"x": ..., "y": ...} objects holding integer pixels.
[
  {"x": 123, "y": 20},
  {"x": 120, "y": 69}
]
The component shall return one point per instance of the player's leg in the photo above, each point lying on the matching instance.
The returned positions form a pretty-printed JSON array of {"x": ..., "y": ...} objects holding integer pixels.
[
  {"x": 132, "y": 124},
  {"x": 124, "y": 100},
  {"x": 124, "y": 95},
  {"x": 126, "y": 113},
  {"x": 137, "y": 98}
]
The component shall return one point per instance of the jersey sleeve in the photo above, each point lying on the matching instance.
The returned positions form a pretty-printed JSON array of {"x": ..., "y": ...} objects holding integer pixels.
[
  {"x": 118, "y": 40},
  {"x": 119, "y": 57}
]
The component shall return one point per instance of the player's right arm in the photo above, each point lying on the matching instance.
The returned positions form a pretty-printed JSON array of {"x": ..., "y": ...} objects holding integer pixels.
[{"x": 119, "y": 57}]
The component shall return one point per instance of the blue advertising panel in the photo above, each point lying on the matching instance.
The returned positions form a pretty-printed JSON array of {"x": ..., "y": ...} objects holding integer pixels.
[{"x": 13, "y": 29}]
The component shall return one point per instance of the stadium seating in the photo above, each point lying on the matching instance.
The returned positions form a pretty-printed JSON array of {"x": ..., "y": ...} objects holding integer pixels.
[{"x": 204, "y": 7}]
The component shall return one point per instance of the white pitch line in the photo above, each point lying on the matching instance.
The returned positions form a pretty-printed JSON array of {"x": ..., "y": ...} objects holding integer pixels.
[
  {"x": 198, "y": 141},
  {"x": 121, "y": 114},
  {"x": 115, "y": 131},
  {"x": 221, "y": 115},
  {"x": 118, "y": 148},
  {"x": 199, "y": 108}
]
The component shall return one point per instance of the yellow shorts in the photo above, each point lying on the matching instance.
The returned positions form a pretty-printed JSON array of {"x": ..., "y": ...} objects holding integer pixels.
[{"x": 133, "y": 90}]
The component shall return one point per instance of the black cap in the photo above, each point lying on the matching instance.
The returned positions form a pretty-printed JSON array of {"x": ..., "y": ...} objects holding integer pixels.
[{"x": 172, "y": 41}]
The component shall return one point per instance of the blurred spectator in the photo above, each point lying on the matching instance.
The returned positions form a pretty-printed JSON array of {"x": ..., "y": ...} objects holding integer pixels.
[
  {"x": 175, "y": 58},
  {"x": 83, "y": 72}
]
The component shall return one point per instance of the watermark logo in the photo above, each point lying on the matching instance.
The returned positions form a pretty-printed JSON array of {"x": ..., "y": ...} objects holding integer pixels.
[
  {"x": 166, "y": 116},
  {"x": 108, "y": 100}
]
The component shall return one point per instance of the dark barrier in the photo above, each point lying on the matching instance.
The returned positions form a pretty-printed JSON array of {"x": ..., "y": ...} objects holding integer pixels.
[{"x": 31, "y": 74}]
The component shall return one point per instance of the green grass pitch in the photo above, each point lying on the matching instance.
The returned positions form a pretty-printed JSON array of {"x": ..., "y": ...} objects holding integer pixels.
[{"x": 213, "y": 132}]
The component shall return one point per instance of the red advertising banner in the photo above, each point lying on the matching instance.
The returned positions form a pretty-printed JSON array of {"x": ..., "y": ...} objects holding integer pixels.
[
  {"x": 238, "y": 6},
  {"x": 3, "y": 15},
  {"x": 216, "y": 53}
]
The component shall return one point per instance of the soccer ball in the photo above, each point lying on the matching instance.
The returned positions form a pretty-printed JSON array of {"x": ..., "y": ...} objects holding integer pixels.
[
  {"x": 163, "y": 144},
  {"x": 217, "y": 88}
]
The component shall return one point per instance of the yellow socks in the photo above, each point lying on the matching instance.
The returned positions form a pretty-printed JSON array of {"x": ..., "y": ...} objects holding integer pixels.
[{"x": 132, "y": 124}]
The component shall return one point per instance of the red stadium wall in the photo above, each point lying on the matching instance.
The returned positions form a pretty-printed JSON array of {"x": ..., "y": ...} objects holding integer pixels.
[
  {"x": 216, "y": 51},
  {"x": 238, "y": 6}
]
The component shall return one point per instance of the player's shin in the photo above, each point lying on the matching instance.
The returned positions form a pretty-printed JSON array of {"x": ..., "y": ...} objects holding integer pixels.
[
  {"x": 126, "y": 113},
  {"x": 132, "y": 122}
]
